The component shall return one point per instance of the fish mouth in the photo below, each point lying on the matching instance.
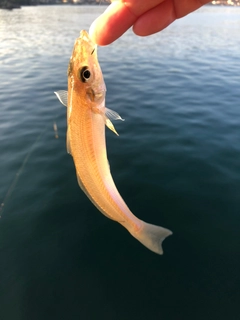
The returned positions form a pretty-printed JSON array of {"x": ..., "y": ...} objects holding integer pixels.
[
  {"x": 85, "y": 37},
  {"x": 84, "y": 34}
]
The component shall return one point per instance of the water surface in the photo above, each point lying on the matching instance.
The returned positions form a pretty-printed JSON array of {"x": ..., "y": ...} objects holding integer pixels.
[{"x": 176, "y": 164}]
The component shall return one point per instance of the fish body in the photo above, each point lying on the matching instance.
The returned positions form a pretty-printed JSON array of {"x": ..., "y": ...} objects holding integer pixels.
[{"x": 86, "y": 120}]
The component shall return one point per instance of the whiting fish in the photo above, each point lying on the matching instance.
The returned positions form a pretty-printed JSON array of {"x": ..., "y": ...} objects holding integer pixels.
[{"x": 86, "y": 120}]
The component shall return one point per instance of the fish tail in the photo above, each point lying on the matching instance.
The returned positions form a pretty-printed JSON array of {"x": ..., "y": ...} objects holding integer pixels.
[{"x": 152, "y": 236}]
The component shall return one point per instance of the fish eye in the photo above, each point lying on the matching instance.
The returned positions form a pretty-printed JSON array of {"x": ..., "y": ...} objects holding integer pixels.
[{"x": 85, "y": 74}]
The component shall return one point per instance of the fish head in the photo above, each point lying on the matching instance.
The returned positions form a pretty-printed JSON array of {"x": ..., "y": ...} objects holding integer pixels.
[{"x": 84, "y": 72}]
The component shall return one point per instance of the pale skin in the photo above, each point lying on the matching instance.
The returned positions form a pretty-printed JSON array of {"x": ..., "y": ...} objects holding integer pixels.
[{"x": 146, "y": 17}]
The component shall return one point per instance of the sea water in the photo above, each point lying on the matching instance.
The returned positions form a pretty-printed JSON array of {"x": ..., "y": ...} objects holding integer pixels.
[{"x": 176, "y": 164}]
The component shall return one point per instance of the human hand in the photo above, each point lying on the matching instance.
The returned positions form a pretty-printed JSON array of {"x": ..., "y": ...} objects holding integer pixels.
[{"x": 146, "y": 17}]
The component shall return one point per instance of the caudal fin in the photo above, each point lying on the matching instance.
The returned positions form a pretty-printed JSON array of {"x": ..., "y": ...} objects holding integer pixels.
[{"x": 152, "y": 236}]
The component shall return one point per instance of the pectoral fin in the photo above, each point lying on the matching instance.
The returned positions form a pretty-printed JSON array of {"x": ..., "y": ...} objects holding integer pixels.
[
  {"x": 112, "y": 115},
  {"x": 62, "y": 96}
]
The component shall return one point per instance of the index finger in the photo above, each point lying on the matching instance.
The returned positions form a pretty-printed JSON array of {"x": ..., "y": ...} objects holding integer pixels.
[
  {"x": 117, "y": 19},
  {"x": 109, "y": 26}
]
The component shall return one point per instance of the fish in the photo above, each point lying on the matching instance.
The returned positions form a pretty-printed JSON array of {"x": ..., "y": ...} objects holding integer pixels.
[{"x": 87, "y": 117}]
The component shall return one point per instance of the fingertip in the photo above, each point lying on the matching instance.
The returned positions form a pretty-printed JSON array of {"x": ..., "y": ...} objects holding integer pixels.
[
  {"x": 109, "y": 26},
  {"x": 99, "y": 32},
  {"x": 92, "y": 32}
]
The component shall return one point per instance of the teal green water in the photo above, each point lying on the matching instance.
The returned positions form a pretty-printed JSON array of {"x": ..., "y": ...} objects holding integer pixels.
[{"x": 176, "y": 164}]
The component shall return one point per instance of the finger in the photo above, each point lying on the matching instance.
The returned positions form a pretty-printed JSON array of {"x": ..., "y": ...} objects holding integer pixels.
[
  {"x": 108, "y": 27},
  {"x": 155, "y": 19},
  {"x": 117, "y": 19},
  {"x": 164, "y": 14},
  {"x": 184, "y": 7},
  {"x": 138, "y": 7}
]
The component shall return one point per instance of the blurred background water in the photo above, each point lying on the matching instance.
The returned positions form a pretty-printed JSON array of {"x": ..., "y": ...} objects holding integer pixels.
[{"x": 176, "y": 164}]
